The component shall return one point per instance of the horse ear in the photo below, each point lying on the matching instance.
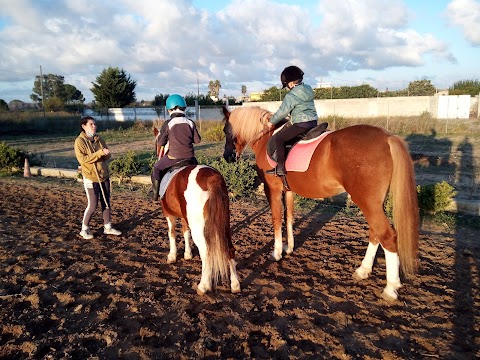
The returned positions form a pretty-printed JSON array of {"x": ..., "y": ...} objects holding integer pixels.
[{"x": 226, "y": 113}]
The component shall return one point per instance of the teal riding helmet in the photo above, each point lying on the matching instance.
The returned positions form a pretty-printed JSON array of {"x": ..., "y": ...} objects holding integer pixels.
[{"x": 175, "y": 100}]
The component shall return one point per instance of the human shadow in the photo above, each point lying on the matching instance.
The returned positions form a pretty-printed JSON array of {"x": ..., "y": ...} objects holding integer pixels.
[{"x": 466, "y": 171}]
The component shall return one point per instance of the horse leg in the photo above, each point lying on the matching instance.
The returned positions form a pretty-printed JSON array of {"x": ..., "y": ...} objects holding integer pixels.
[
  {"x": 382, "y": 232},
  {"x": 393, "y": 278},
  {"x": 365, "y": 269},
  {"x": 289, "y": 221},
  {"x": 275, "y": 201},
  {"x": 172, "y": 235},
  {"x": 198, "y": 237},
  {"x": 186, "y": 236},
  {"x": 234, "y": 283}
]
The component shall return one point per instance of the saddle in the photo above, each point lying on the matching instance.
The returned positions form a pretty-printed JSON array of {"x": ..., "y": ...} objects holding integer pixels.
[
  {"x": 172, "y": 171},
  {"x": 300, "y": 149}
]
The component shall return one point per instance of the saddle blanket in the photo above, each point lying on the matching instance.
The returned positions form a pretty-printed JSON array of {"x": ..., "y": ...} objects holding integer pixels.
[{"x": 298, "y": 159}]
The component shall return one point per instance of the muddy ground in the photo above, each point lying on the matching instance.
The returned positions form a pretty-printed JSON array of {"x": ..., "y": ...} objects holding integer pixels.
[{"x": 63, "y": 297}]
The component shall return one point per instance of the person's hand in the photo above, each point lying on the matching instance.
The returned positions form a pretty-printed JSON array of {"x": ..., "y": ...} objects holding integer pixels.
[
  {"x": 106, "y": 152},
  {"x": 270, "y": 125}
]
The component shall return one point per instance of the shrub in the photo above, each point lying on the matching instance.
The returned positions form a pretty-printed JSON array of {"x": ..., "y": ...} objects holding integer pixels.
[
  {"x": 239, "y": 176},
  {"x": 213, "y": 132},
  {"x": 434, "y": 198},
  {"x": 10, "y": 157},
  {"x": 125, "y": 166}
]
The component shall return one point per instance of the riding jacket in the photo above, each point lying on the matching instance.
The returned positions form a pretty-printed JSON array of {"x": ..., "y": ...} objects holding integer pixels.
[
  {"x": 299, "y": 104},
  {"x": 90, "y": 154},
  {"x": 180, "y": 133}
]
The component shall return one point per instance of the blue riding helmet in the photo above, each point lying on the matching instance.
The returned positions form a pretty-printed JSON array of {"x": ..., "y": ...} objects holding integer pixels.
[{"x": 175, "y": 100}]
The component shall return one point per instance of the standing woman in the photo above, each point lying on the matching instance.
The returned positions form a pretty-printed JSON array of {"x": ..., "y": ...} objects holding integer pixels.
[{"x": 92, "y": 153}]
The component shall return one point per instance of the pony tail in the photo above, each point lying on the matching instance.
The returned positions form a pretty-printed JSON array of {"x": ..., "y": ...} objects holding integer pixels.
[
  {"x": 217, "y": 229},
  {"x": 405, "y": 206}
]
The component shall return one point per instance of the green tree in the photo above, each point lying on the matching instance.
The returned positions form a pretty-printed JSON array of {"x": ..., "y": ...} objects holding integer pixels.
[
  {"x": 214, "y": 88},
  {"x": 3, "y": 105},
  {"x": 53, "y": 85},
  {"x": 272, "y": 94},
  {"x": 73, "y": 95},
  {"x": 160, "y": 100},
  {"x": 54, "y": 104},
  {"x": 465, "y": 87},
  {"x": 114, "y": 88},
  {"x": 421, "y": 88}
]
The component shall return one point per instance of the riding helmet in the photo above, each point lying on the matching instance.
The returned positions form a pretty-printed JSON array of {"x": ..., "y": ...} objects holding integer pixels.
[
  {"x": 291, "y": 73},
  {"x": 175, "y": 100}
]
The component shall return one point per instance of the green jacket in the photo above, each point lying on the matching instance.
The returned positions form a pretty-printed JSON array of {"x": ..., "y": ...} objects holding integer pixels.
[
  {"x": 299, "y": 104},
  {"x": 90, "y": 155}
]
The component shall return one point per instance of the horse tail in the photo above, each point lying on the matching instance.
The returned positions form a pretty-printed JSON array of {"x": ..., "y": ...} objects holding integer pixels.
[
  {"x": 217, "y": 229},
  {"x": 405, "y": 205}
]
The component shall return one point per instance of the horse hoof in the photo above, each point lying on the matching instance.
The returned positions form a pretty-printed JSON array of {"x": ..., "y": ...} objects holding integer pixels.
[
  {"x": 288, "y": 251},
  {"x": 200, "y": 292},
  {"x": 360, "y": 274},
  {"x": 171, "y": 259},
  {"x": 274, "y": 257},
  {"x": 236, "y": 288},
  {"x": 187, "y": 256},
  {"x": 389, "y": 295}
]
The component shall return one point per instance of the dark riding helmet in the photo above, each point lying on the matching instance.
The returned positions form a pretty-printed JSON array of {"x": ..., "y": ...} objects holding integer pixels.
[{"x": 290, "y": 73}]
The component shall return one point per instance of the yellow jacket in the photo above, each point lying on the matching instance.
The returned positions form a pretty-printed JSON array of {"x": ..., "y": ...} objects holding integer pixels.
[{"x": 90, "y": 155}]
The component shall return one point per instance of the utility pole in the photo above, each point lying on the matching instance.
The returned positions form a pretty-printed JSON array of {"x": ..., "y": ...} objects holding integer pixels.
[{"x": 41, "y": 90}]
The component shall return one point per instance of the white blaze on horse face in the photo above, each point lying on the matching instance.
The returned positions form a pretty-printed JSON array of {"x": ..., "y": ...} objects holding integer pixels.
[{"x": 195, "y": 198}]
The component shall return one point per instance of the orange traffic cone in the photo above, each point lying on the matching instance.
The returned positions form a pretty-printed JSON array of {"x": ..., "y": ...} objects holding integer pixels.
[{"x": 26, "y": 169}]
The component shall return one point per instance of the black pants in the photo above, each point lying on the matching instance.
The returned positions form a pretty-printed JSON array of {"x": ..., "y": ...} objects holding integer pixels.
[{"x": 283, "y": 136}]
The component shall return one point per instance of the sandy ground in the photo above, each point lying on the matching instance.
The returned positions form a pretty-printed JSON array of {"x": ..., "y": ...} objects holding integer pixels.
[{"x": 62, "y": 297}]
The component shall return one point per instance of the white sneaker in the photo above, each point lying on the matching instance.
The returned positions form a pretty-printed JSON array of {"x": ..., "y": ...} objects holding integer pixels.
[
  {"x": 86, "y": 234},
  {"x": 111, "y": 231}
]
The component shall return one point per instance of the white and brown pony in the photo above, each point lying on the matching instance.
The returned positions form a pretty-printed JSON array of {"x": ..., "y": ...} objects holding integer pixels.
[
  {"x": 198, "y": 196},
  {"x": 364, "y": 161}
]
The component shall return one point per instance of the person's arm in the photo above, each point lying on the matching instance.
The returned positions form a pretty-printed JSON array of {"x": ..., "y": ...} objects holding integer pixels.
[
  {"x": 85, "y": 154},
  {"x": 285, "y": 108},
  {"x": 196, "y": 135},
  {"x": 163, "y": 137}
]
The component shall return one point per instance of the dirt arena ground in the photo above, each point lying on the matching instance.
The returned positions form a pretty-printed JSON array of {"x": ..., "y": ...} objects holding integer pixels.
[{"x": 62, "y": 297}]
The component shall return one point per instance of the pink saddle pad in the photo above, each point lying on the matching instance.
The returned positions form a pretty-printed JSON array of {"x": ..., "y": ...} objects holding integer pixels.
[{"x": 300, "y": 155}]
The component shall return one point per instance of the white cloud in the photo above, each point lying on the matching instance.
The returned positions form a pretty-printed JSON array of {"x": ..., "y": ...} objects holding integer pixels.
[
  {"x": 167, "y": 46},
  {"x": 465, "y": 14}
]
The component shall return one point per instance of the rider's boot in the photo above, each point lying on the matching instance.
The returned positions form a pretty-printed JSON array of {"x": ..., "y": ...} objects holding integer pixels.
[{"x": 279, "y": 170}]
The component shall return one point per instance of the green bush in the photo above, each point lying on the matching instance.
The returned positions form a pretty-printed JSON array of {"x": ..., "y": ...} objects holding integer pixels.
[
  {"x": 434, "y": 198},
  {"x": 11, "y": 157},
  {"x": 213, "y": 131},
  {"x": 125, "y": 166},
  {"x": 240, "y": 176}
]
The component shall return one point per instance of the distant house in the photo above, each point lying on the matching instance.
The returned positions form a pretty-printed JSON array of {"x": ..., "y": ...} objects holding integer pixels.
[{"x": 256, "y": 96}]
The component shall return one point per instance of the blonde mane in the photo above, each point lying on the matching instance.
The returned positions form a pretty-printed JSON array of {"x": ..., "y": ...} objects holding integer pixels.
[{"x": 248, "y": 122}]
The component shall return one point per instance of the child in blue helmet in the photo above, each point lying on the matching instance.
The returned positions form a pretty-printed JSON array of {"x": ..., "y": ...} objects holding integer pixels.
[
  {"x": 299, "y": 104},
  {"x": 180, "y": 133}
]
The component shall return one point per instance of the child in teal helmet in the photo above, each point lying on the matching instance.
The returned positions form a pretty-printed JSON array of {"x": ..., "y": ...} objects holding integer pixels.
[
  {"x": 299, "y": 104},
  {"x": 180, "y": 133}
]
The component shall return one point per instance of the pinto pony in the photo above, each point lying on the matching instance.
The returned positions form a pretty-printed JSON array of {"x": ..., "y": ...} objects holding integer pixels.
[
  {"x": 198, "y": 196},
  {"x": 362, "y": 160}
]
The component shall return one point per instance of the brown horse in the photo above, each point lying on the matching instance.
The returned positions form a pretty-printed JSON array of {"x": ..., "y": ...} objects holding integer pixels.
[
  {"x": 362, "y": 160},
  {"x": 198, "y": 195}
]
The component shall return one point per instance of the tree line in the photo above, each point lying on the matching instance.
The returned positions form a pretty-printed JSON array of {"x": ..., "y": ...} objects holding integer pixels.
[{"x": 114, "y": 88}]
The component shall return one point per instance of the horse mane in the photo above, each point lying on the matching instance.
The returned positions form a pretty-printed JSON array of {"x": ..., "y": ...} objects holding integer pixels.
[{"x": 248, "y": 122}]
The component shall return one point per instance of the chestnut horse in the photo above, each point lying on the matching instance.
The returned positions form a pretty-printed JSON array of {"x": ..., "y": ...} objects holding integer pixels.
[
  {"x": 362, "y": 160},
  {"x": 198, "y": 196}
]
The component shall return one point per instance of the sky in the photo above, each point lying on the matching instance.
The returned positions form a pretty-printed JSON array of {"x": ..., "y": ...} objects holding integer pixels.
[{"x": 180, "y": 46}]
